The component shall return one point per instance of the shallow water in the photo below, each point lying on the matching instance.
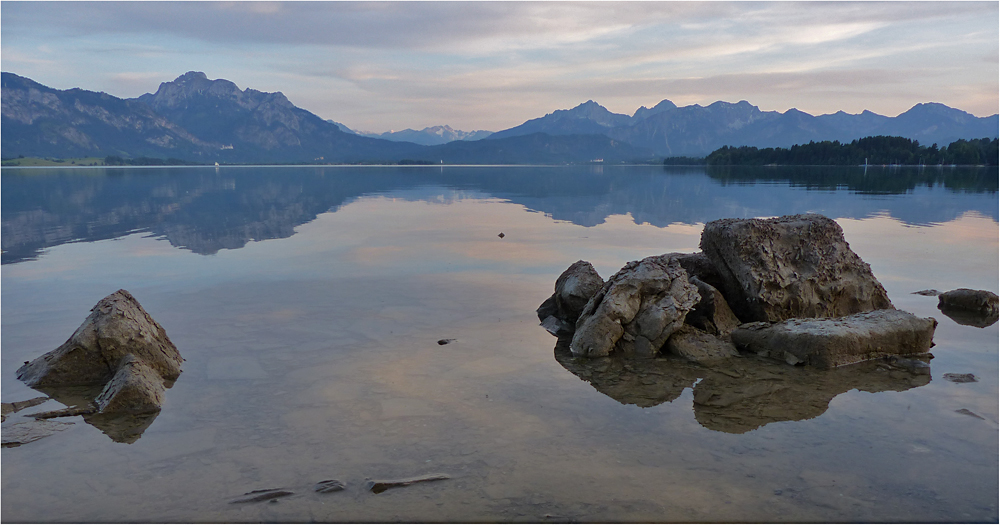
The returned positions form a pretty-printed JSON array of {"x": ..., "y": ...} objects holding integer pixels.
[{"x": 308, "y": 304}]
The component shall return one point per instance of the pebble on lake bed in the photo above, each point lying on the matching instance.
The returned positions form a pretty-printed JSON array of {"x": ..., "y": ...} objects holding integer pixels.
[{"x": 961, "y": 378}]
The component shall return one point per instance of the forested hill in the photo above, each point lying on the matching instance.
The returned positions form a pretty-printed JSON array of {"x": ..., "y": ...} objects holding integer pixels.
[{"x": 871, "y": 150}]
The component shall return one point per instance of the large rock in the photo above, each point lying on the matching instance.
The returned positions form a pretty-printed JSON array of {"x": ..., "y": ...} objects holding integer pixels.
[
  {"x": 116, "y": 327},
  {"x": 574, "y": 288},
  {"x": 637, "y": 310},
  {"x": 790, "y": 267},
  {"x": 118, "y": 346},
  {"x": 832, "y": 342}
]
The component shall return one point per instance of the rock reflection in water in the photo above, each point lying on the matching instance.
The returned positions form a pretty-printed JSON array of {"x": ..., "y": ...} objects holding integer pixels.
[
  {"x": 121, "y": 428},
  {"x": 742, "y": 394},
  {"x": 966, "y": 317}
]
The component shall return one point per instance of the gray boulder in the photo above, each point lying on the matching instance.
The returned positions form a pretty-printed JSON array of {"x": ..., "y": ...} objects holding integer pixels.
[
  {"x": 119, "y": 346},
  {"x": 832, "y": 342},
  {"x": 636, "y": 310},
  {"x": 797, "y": 266},
  {"x": 574, "y": 288}
]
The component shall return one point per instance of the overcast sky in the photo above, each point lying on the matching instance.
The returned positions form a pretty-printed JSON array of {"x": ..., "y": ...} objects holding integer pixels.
[{"x": 480, "y": 65}]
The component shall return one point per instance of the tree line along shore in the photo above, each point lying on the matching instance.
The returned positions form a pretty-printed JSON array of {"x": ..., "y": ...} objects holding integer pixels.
[{"x": 868, "y": 151}]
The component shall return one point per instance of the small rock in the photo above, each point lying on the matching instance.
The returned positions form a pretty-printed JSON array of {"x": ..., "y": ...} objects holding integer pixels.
[
  {"x": 574, "y": 288},
  {"x": 778, "y": 492},
  {"x": 977, "y": 300},
  {"x": 329, "y": 485},
  {"x": 961, "y": 378},
  {"x": 255, "y": 496},
  {"x": 65, "y": 412},
  {"x": 445, "y": 341},
  {"x": 501, "y": 235},
  {"x": 928, "y": 293}
]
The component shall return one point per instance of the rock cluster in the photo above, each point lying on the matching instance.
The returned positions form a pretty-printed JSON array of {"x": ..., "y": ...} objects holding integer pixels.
[
  {"x": 118, "y": 346},
  {"x": 789, "y": 288}
]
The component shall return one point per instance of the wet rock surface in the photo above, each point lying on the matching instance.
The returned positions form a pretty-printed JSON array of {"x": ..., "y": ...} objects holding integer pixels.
[
  {"x": 796, "y": 266},
  {"x": 636, "y": 310},
  {"x": 832, "y": 342}
]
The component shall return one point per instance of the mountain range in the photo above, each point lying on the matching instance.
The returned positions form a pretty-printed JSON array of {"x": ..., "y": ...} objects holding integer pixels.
[{"x": 197, "y": 119}]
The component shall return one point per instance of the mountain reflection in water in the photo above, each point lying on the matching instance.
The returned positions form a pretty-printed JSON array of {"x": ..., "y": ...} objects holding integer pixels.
[
  {"x": 205, "y": 210},
  {"x": 741, "y": 394}
]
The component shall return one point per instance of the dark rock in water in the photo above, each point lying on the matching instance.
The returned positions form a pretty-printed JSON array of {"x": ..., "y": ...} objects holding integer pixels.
[
  {"x": 638, "y": 308},
  {"x": 832, "y": 342},
  {"x": 380, "y": 486},
  {"x": 329, "y": 485},
  {"x": 915, "y": 366},
  {"x": 796, "y": 266},
  {"x": 21, "y": 433},
  {"x": 979, "y": 300},
  {"x": 967, "y": 412},
  {"x": 700, "y": 347},
  {"x": 712, "y": 313},
  {"x": 574, "y": 287},
  {"x": 970, "y": 307},
  {"x": 117, "y": 327},
  {"x": 557, "y": 327},
  {"x": 961, "y": 378},
  {"x": 501, "y": 235},
  {"x": 255, "y": 496},
  {"x": 445, "y": 341},
  {"x": 928, "y": 293},
  {"x": 965, "y": 317}
]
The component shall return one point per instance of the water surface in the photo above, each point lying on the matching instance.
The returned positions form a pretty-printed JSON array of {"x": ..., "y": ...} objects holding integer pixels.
[{"x": 308, "y": 303}]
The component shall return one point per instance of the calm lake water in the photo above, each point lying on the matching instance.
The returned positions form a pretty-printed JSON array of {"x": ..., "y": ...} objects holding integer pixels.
[{"x": 308, "y": 303}]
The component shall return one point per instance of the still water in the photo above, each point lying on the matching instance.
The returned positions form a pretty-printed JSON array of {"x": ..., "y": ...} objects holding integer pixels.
[{"x": 308, "y": 303}]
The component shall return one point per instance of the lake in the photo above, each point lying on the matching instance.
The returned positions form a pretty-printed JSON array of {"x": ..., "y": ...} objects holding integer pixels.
[{"x": 308, "y": 303}]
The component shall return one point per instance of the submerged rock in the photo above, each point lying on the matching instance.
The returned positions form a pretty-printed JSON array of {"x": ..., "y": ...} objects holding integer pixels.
[
  {"x": 961, "y": 378},
  {"x": 255, "y": 496},
  {"x": 380, "y": 486},
  {"x": 832, "y": 342},
  {"x": 796, "y": 266},
  {"x": 637, "y": 310},
  {"x": 329, "y": 485},
  {"x": 28, "y": 431}
]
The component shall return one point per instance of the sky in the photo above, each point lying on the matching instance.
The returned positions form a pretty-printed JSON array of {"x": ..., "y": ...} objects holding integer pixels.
[{"x": 493, "y": 65}]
